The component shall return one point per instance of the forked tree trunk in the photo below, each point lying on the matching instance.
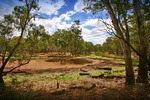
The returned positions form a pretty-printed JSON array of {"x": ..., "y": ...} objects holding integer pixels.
[
  {"x": 142, "y": 72},
  {"x": 2, "y": 85},
  {"x": 128, "y": 64},
  {"x": 143, "y": 64},
  {"x": 126, "y": 48},
  {"x": 1, "y": 82},
  {"x": 1, "y": 78}
]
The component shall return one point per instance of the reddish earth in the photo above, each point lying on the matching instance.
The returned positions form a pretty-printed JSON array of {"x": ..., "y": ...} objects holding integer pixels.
[
  {"x": 45, "y": 64},
  {"x": 81, "y": 89}
]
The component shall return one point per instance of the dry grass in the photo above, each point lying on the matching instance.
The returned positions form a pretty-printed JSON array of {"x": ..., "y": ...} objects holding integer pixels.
[
  {"x": 111, "y": 89},
  {"x": 45, "y": 83}
]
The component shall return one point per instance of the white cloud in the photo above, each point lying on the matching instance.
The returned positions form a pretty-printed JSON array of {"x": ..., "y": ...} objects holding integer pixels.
[
  {"x": 55, "y": 23},
  {"x": 1, "y": 17},
  {"x": 96, "y": 34},
  {"x": 67, "y": 18},
  {"x": 67, "y": 15},
  {"x": 97, "y": 23},
  {"x": 91, "y": 22},
  {"x": 47, "y": 23},
  {"x": 79, "y": 6},
  {"x": 50, "y": 7},
  {"x": 96, "y": 38},
  {"x": 63, "y": 25}
]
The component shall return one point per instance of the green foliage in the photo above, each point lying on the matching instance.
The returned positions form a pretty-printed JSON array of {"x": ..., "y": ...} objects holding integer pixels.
[
  {"x": 38, "y": 40},
  {"x": 112, "y": 46},
  {"x": 17, "y": 79},
  {"x": 71, "y": 40},
  {"x": 16, "y": 47}
]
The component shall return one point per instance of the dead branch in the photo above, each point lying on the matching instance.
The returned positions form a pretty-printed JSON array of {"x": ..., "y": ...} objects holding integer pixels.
[
  {"x": 98, "y": 76},
  {"x": 110, "y": 31},
  {"x": 112, "y": 77},
  {"x": 82, "y": 74},
  {"x": 76, "y": 87},
  {"x": 20, "y": 64},
  {"x": 104, "y": 68}
]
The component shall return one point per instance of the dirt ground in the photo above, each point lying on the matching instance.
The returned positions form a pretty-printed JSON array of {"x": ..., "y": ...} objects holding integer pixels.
[
  {"x": 53, "y": 64},
  {"x": 81, "y": 89},
  {"x": 62, "y": 63}
]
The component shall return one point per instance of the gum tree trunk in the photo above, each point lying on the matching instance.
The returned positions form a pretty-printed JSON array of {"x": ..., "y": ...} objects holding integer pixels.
[
  {"x": 1, "y": 77},
  {"x": 143, "y": 64},
  {"x": 128, "y": 64},
  {"x": 126, "y": 48},
  {"x": 2, "y": 85}
]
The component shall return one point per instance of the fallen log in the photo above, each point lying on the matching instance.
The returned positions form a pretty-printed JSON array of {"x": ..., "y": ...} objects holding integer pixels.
[
  {"x": 98, "y": 76},
  {"x": 104, "y": 68},
  {"x": 24, "y": 72},
  {"x": 84, "y": 74},
  {"x": 76, "y": 87},
  {"x": 111, "y": 77}
]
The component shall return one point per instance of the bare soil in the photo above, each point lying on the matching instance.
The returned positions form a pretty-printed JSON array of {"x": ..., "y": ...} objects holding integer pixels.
[
  {"x": 81, "y": 89},
  {"x": 54, "y": 63},
  {"x": 61, "y": 64}
]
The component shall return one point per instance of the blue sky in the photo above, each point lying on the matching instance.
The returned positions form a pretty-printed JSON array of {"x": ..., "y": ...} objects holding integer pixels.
[{"x": 60, "y": 15}]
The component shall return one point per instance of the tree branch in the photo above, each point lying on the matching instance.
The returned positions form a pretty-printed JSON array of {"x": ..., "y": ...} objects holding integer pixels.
[
  {"x": 110, "y": 31},
  {"x": 21, "y": 64},
  {"x": 134, "y": 49},
  {"x": 20, "y": 37}
]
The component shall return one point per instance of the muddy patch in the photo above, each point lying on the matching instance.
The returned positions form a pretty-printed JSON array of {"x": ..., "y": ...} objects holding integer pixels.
[{"x": 69, "y": 60}]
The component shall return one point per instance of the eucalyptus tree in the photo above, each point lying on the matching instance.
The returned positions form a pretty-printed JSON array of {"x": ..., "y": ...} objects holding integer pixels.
[
  {"x": 111, "y": 46},
  {"x": 6, "y": 29},
  {"x": 76, "y": 37},
  {"x": 61, "y": 39},
  {"x": 98, "y": 48},
  {"x": 33, "y": 40},
  {"x": 108, "y": 46},
  {"x": 69, "y": 40},
  {"x": 19, "y": 20},
  {"x": 117, "y": 11},
  {"x": 38, "y": 40},
  {"x": 120, "y": 11},
  {"x": 143, "y": 43},
  {"x": 88, "y": 47},
  {"x": 45, "y": 39}
]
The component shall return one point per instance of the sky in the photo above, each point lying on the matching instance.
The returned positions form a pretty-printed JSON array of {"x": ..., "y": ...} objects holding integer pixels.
[{"x": 60, "y": 15}]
